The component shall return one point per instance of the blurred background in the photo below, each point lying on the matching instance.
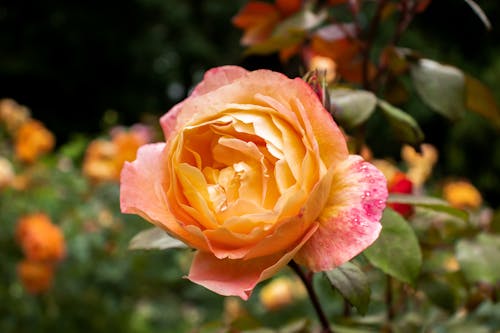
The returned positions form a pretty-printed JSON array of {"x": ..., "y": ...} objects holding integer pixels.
[
  {"x": 73, "y": 63},
  {"x": 82, "y": 67}
]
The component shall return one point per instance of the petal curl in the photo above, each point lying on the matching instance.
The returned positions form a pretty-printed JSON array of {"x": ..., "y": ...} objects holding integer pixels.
[
  {"x": 231, "y": 277},
  {"x": 212, "y": 80},
  {"x": 149, "y": 201},
  {"x": 350, "y": 221}
]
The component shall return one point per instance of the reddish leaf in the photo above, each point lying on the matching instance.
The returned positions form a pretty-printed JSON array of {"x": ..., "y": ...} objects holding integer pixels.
[
  {"x": 352, "y": 70},
  {"x": 337, "y": 41},
  {"x": 287, "y": 52},
  {"x": 422, "y": 5},
  {"x": 288, "y": 7},
  {"x": 258, "y": 20}
]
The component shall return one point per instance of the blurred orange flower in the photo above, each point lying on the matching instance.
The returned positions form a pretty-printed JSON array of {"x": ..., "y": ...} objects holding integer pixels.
[
  {"x": 104, "y": 159},
  {"x": 462, "y": 194},
  {"x": 33, "y": 140},
  {"x": 40, "y": 239},
  {"x": 36, "y": 277}
]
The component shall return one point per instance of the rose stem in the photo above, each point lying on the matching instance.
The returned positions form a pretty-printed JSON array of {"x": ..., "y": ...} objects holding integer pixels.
[{"x": 312, "y": 296}]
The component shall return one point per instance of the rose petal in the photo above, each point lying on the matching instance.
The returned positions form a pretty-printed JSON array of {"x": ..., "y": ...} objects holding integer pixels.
[
  {"x": 230, "y": 277},
  {"x": 212, "y": 80},
  {"x": 331, "y": 142},
  {"x": 149, "y": 202},
  {"x": 350, "y": 221}
]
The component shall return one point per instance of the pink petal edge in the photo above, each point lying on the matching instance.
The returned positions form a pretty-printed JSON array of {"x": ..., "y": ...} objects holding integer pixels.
[
  {"x": 145, "y": 169},
  {"x": 239, "y": 277},
  {"x": 212, "y": 80},
  {"x": 351, "y": 220}
]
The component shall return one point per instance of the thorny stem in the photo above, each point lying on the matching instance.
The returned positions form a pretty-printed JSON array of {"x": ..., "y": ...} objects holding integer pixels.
[{"x": 307, "y": 281}]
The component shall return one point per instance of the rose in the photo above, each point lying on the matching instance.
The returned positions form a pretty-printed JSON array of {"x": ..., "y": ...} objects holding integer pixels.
[{"x": 254, "y": 173}]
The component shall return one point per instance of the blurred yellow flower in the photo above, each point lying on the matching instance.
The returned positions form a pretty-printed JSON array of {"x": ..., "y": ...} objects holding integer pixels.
[
  {"x": 12, "y": 114},
  {"x": 281, "y": 292},
  {"x": 32, "y": 140},
  {"x": 420, "y": 165},
  {"x": 40, "y": 239},
  {"x": 36, "y": 277},
  {"x": 7, "y": 174},
  {"x": 462, "y": 194}
]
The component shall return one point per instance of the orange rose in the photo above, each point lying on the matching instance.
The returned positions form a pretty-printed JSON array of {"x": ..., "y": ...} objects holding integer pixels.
[
  {"x": 254, "y": 173},
  {"x": 36, "y": 277},
  {"x": 33, "y": 140},
  {"x": 40, "y": 240}
]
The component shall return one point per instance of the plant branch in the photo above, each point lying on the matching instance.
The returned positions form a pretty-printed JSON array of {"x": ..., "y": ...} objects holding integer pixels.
[
  {"x": 307, "y": 281},
  {"x": 372, "y": 33}
]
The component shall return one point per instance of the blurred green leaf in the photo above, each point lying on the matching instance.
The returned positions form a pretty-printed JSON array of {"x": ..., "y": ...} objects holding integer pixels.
[
  {"x": 477, "y": 258},
  {"x": 154, "y": 239},
  {"x": 433, "y": 203},
  {"x": 404, "y": 126},
  {"x": 441, "y": 87},
  {"x": 351, "y": 107},
  {"x": 347, "y": 329},
  {"x": 297, "y": 326},
  {"x": 396, "y": 251},
  {"x": 353, "y": 284},
  {"x": 439, "y": 291},
  {"x": 480, "y": 99}
]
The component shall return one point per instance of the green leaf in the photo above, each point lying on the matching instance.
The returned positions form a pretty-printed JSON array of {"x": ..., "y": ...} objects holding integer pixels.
[
  {"x": 404, "y": 126},
  {"x": 433, "y": 203},
  {"x": 353, "y": 284},
  {"x": 154, "y": 239},
  {"x": 396, "y": 251},
  {"x": 478, "y": 258},
  {"x": 291, "y": 31},
  {"x": 351, "y": 107},
  {"x": 441, "y": 87},
  {"x": 480, "y": 99}
]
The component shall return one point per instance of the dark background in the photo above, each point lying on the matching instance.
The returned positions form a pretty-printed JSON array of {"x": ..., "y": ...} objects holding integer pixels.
[{"x": 71, "y": 62}]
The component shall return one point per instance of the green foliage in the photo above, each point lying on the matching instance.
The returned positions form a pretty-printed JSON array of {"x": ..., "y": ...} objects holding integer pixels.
[
  {"x": 353, "y": 284},
  {"x": 405, "y": 127},
  {"x": 435, "y": 270},
  {"x": 396, "y": 251},
  {"x": 351, "y": 108},
  {"x": 154, "y": 238}
]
